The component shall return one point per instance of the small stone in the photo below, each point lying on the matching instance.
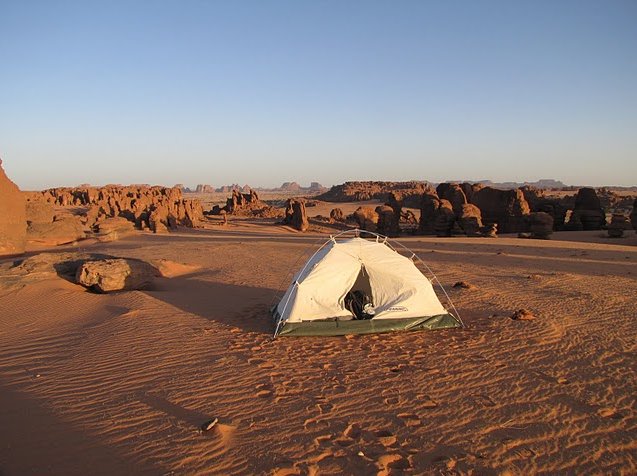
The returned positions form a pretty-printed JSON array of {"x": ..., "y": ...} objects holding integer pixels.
[
  {"x": 522, "y": 315},
  {"x": 209, "y": 425},
  {"x": 464, "y": 285}
]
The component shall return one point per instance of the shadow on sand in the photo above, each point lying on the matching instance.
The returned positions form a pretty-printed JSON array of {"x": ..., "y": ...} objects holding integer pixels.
[
  {"x": 242, "y": 306},
  {"x": 54, "y": 446}
]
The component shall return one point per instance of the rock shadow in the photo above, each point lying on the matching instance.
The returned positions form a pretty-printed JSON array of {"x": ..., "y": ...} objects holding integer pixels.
[{"x": 236, "y": 305}]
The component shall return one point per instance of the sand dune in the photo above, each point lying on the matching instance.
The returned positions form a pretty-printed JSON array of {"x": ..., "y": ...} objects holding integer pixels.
[{"x": 121, "y": 383}]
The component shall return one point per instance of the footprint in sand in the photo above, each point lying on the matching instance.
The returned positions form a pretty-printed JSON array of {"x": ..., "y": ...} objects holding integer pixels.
[
  {"x": 263, "y": 391},
  {"x": 385, "y": 438},
  {"x": 484, "y": 400},
  {"x": 610, "y": 413},
  {"x": 409, "y": 419},
  {"x": 388, "y": 462}
]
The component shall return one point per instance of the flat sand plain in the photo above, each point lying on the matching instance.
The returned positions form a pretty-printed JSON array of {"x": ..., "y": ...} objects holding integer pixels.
[{"x": 120, "y": 383}]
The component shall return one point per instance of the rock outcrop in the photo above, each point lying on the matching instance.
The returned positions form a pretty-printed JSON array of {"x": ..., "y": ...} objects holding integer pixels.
[
  {"x": 120, "y": 274},
  {"x": 633, "y": 216},
  {"x": 361, "y": 191},
  {"x": 428, "y": 205},
  {"x": 387, "y": 223},
  {"x": 13, "y": 220},
  {"x": 245, "y": 204},
  {"x": 588, "y": 210},
  {"x": 336, "y": 214},
  {"x": 62, "y": 230},
  {"x": 135, "y": 203},
  {"x": 295, "y": 214},
  {"x": 366, "y": 218},
  {"x": 618, "y": 224},
  {"x": 470, "y": 219},
  {"x": 445, "y": 218},
  {"x": 454, "y": 194},
  {"x": 539, "y": 202},
  {"x": 507, "y": 208},
  {"x": 541, "y": 225}
]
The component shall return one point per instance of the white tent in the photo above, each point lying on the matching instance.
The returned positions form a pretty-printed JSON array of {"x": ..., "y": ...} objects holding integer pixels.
[{"x": 403, "y": 298}]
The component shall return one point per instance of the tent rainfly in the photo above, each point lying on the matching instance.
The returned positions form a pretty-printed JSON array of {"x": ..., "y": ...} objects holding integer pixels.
[{"x": 397, "y": 296}]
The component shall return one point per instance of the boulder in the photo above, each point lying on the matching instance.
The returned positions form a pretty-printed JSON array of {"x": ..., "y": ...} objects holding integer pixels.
[
  {"x": 470, "y": 219},
  {"x": 541, "y": 225},
  {"x": 62, "y": 230},
  {"x": 617, "y": 225},
  {"x": 387, "y": 223},
  {"x": 295, "y": 214},
  {"x": 490, "y": 231},
  {"x": 588, "y": 209},
  {"x": 111, "y": 229},
  {"x": 507, "y": 208},
  {"x": 13, "y": 220},
  {"x": 366, "y": 218},
  {"x": 119, "y": 274},
  {"x": 336, "y": 215},
  {"x": 39, "y": 211}
]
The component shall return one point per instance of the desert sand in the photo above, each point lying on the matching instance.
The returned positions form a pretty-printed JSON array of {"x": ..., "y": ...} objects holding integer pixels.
[{"x": 121, "y": 383}]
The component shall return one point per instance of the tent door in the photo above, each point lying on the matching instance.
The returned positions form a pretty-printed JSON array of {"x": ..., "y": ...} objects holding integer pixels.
[{"x": 359, "y": 295}]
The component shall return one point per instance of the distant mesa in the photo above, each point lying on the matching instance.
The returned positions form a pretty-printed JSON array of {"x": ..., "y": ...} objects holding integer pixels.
[
  {"x": 546, "y": 184},
  {"x": 286, "y": 187}
]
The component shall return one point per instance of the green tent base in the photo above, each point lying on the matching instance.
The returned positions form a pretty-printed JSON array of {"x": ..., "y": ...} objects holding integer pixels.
[{"x": 371, "y": 326}]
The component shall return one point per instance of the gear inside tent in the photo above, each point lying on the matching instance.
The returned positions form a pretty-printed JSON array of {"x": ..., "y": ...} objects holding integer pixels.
[{"x": 355, "y": 285}]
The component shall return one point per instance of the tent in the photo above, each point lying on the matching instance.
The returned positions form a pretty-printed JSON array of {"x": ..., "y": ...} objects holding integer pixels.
[{"x": 402, "y": 298}]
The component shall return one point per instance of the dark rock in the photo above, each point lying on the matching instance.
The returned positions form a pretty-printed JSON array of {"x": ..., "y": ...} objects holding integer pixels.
[
  {"x": 523, "y": 315},
  {"x": 366, "y": 218},
  {"x": 617, "y": 225},
  {"x": 337, "y": 215},
  {"x": 506, "y": 208},
  {"x": 470, "y": 219},
  {"x": 295, "y": 214},
  {"x": 588, "y": 210},
  {"x": 541, "y": 225}
]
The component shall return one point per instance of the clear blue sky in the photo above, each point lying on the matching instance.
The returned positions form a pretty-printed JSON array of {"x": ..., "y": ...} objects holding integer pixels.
[{"x": 269, "y": 91}]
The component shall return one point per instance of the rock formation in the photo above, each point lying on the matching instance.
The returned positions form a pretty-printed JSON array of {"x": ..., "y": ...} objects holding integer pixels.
[
  {"x": 428, "y": 206},
  {"x": 588, "y": 210},
  {"x": 445, "y": 218},
  {"x": 13, "y": 221},
  {"x": 539, "y": 202},
  {"x": 361, "y": 191},
  {"x": 633, "y": 216},
  {"x": 135, "y": 203},
  {"x": 65, "y": 228},
  {"x": 470, "y": 219},
  {"x": 366, "y": 218},
  {"x": 295, "y": 214},
  {"x": 507, "y": 208},
  {"x": 387, "y": 223},
  {"x": 541, "y": 225},
  {"x": 337, "y": 214},
  {"x": 245, "y": 204},
  {"x": 120, "y": 274},
  {"x": 454, "y": 194},
  {"x": 617, "y": 225}
]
